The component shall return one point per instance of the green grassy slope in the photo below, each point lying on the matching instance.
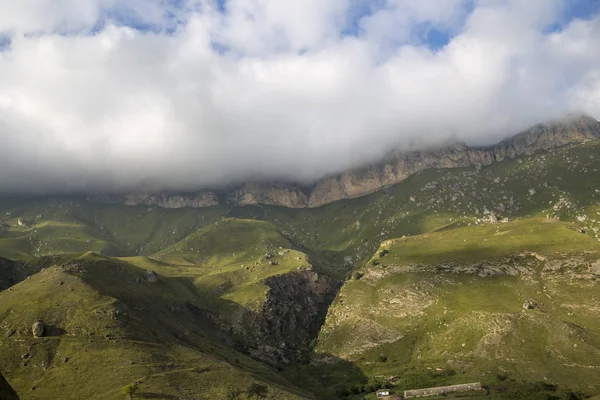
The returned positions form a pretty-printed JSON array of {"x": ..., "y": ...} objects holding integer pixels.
[
  {"x": 73, "y": 225},
  {"x": 565, "y": 183},
  {"x": 442, "y": 255},
  {"x": 231, "y": 259},
  {"x": 453, "y": 301},
  {"x": 108, "y": 327}
]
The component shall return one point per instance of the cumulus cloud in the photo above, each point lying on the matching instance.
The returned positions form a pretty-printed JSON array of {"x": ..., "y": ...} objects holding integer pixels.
[{"x": 105, "y": 94}]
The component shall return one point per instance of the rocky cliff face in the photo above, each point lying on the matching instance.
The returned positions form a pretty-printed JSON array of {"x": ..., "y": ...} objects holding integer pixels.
[
  {"x": 400, "y": 165},
  {"x": 281, "y": 194},
  {"x": 292, "y": 316},
  {"x": 163, "y": 200},
  {"x": 394, "y": 169}
]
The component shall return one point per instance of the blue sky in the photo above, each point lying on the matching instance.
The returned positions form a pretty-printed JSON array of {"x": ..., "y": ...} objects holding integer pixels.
[
  {"x": 575, "y": 9},
  {"x": 425, "y": 33}
]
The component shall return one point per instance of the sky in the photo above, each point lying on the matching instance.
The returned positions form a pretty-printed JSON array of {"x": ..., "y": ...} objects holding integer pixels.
[{"x": 108, "y": 95}]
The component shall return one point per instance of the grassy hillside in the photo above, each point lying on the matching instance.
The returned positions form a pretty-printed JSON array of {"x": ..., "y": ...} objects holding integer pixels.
[
  {"x": 107, "y": 327},
  {"x": 561, "y": 183},
  {"x": 452, "y": 306},
  {"x": 436, "y": 271},
  {"x": 231, "y": 260}
]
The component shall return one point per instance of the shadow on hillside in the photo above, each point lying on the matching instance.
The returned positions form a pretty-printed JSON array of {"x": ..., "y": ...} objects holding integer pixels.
[
  {"x": 149, "y": 395},
  {"x": 177, "y": 310},
  {"x": 171, "y": 310},
  {"x": 6, "y": 391},
  {"x": 53, "y": 330},
  {"x": 329, "y": 377},
  {"x": 247, "y": 212}
]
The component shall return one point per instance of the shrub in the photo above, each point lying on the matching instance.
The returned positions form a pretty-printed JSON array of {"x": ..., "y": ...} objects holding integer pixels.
[
  {"x": 129, "y": 391},
  {"x": 257, "y": 390},
  {"x": 342, "y": 391},
  {"x": 356, "y": 275}
]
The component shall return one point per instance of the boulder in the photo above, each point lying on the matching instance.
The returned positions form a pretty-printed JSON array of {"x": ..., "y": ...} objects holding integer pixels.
[
  {"x": 493, "y": 218},
  {"x": 530, "y": 304},
  {"x": 38, "y": 329}
]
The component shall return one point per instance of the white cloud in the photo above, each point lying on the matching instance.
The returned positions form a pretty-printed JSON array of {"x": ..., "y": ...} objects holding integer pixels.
[{"x": 291, "y": 97}]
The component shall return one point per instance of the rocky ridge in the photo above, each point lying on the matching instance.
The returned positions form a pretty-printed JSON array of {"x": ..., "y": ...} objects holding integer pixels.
[{"x": 393, "y": 169}]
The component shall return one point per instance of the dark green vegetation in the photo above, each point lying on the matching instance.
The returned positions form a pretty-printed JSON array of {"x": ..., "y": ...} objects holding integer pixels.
[{"x": 452, "y": 276}]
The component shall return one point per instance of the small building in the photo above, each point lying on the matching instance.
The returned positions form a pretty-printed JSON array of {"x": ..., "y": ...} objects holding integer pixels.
[
  {"x": 386, "y": 394},
  {"x": 383, "y": 393}
]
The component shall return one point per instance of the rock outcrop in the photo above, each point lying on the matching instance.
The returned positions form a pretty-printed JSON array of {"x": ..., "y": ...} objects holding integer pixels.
[
  {"x": 38, "y": 329},
  {"x": 396, "y": 167},
  {"x": 6, "y": 391},
  {"x": 400, "y": 165},
  {"x": 281, "y": 194},
  {"x": 291, "y": 317},
  {"x": 163, "y": 199},
  {"x": 151, "y": 277}
]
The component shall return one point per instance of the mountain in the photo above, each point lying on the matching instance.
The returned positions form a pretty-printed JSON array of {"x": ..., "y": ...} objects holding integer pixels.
[
  {"x": 482, "y": 273},
  {"x": 361, "y": 181}
]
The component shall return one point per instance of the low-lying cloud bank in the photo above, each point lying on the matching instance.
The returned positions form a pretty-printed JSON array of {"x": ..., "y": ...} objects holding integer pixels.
[{"x": 105, "y": 94}]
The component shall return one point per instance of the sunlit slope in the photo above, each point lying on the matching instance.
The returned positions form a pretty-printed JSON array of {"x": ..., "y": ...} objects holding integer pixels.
[
  {"x": 227, "y": 242},
  {"x": 561, "y": 183},
  {"x": 108, "y": 327},
  {"x": 33, "y": 227},
  {"x": 519, "y": 300},
  {"x": 232, "y": 259}
]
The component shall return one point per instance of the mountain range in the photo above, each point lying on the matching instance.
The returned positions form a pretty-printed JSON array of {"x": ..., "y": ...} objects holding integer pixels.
[
  {"x": 360, "y": 181},
  {"x": 431, "y": 268}
]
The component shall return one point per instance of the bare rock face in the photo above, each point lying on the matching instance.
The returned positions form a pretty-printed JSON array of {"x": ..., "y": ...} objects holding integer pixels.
[
  {"x": 401, "y": 165},
  {"x": 281, "y": 194},
  {"x": 163, "y": 200},
  {"x": 6, "y": 391},
  {"x": 38, "y": 328},
  {"x": 546, "y": 136},
  {"x": 295, "y": 309},
  {"x": 393, "y": 169}
]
